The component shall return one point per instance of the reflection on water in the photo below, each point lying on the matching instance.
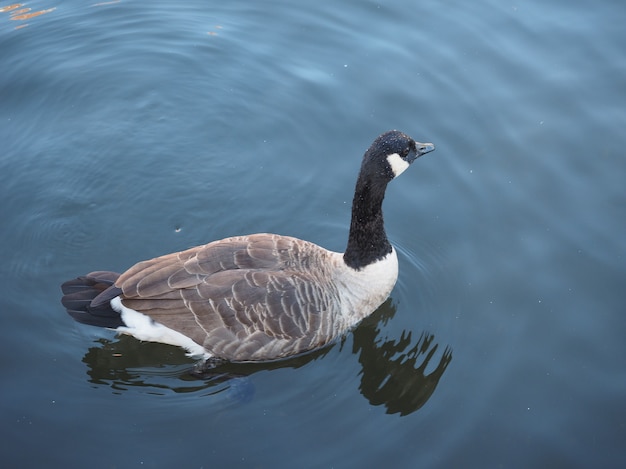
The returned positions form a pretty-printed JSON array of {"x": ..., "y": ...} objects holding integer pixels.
[
  {"x": 125, "y": 363},
  {"x": 393, "y": 370},
  {"x": 99, "y": 4},
  {"x": 19, "y": 12}
]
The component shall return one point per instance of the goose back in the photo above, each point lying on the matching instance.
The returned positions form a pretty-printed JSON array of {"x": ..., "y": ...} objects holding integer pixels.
[{"x": 242, "y": 298}]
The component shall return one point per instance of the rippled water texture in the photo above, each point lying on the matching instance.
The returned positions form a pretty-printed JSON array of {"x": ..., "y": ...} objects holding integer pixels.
[{"x": 131, "y": 129}]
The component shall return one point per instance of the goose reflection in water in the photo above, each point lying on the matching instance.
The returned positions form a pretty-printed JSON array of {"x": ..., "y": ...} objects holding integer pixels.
[{"x": 393, "y": 370}]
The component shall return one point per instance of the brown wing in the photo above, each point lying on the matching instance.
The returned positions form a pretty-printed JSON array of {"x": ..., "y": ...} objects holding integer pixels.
[{"x": 244, "y": 298}]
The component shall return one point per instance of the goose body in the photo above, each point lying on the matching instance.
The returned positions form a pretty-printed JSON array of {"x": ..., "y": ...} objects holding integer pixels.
[{"x": 262, "y": 296}]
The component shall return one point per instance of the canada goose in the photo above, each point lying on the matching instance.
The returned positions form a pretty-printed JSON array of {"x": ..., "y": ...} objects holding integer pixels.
[{"x": 262, "y": 296}]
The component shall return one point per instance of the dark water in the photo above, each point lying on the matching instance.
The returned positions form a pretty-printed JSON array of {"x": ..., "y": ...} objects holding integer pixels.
[{"x": 132, "y": 129}]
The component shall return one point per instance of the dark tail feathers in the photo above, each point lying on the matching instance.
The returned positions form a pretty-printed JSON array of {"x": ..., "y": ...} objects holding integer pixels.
[{"x": 87, "y": 299}]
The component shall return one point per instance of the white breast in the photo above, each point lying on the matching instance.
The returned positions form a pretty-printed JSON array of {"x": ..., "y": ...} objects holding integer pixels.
[{"x": 362, "y": 291}]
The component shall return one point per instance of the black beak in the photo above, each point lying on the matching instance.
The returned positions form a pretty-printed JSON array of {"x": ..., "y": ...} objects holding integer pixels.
[{"x": 423, "y": 148}]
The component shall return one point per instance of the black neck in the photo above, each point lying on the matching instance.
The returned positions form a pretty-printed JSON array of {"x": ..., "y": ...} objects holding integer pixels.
[{"x": 367, "y": 241}]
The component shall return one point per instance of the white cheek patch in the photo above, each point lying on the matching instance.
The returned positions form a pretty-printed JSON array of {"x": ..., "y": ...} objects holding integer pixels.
[{"x": 397, "y": 164}]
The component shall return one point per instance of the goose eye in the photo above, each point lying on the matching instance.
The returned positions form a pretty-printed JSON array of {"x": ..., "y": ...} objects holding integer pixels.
[{"x": 405, "y": 152}]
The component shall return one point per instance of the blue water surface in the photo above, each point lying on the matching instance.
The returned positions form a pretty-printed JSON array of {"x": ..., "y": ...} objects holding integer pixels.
[{"x": 131, "y": 129}]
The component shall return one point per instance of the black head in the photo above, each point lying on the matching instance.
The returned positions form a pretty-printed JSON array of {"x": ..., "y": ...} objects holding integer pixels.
[{"x": 391, "y": 153}]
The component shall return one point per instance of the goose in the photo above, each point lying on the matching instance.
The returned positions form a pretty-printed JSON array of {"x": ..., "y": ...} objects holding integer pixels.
[{"x": 259, "y": 297}]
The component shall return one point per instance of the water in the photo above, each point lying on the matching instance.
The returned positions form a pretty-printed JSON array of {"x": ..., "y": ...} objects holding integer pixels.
[{"x": 131, "y": 130}]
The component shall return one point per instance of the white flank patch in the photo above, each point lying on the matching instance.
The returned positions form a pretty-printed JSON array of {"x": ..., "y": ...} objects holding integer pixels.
[
  {"x": 142, "y": 327},
  {"x": 398, "y": 165}
]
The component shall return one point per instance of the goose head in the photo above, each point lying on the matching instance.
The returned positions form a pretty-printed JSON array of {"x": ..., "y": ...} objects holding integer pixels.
[{"x": 391, "y": 154}]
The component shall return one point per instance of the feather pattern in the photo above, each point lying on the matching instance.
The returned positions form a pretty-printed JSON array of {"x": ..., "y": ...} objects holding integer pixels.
[{"x": 245, "y": 297}]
